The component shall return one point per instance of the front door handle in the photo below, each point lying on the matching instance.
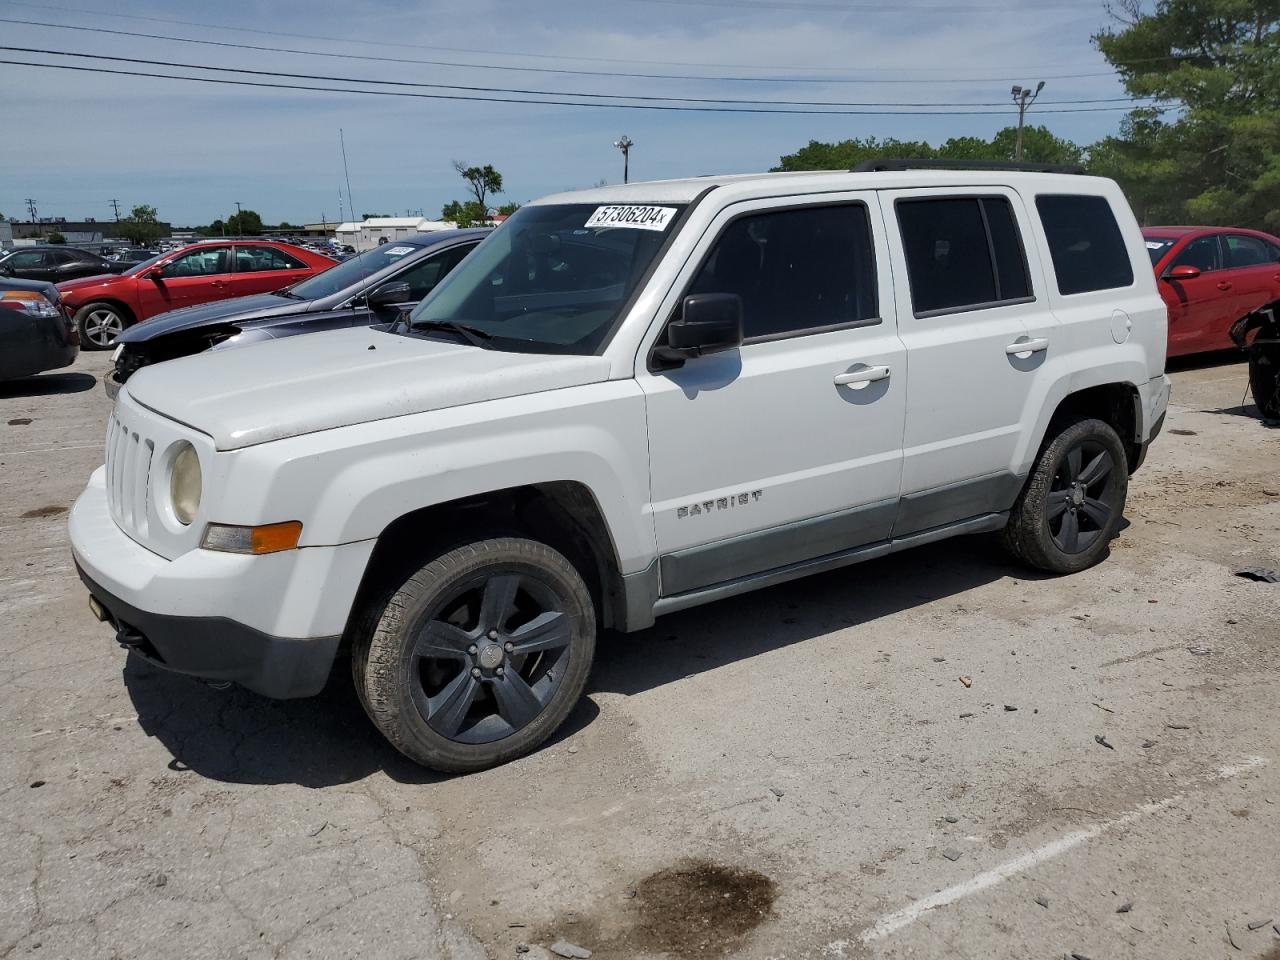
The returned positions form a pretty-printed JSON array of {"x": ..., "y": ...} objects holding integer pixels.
[
  {"x": 1224, "y": 285},
  {"x": 860, "y": 378},
  {"x": 1025, "y": 348}
]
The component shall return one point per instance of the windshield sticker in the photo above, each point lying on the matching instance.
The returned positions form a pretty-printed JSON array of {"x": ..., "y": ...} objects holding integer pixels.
[
  {"x": 398, "y": 251},
  {"x": 1155, "y": 244},
  {"x": 633, "y": 217}
]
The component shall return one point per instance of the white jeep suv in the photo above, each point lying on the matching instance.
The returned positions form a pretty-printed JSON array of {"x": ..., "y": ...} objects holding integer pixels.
[{"x": 629, "y": 401}]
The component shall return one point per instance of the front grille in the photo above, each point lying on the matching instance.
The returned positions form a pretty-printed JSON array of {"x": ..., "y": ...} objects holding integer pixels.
[{"x": 129, "y": 457}]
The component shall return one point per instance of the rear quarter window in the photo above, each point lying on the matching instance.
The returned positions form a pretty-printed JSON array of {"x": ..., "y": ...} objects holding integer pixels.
[{"x": 1085, "y": 242}]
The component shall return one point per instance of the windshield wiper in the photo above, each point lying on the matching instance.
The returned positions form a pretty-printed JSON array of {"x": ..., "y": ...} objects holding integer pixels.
[
  {"x": 285, "y": 293},
  {"x": 473, "y": 335}
]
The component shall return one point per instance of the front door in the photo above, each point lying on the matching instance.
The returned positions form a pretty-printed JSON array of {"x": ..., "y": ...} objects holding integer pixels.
[
  {"x": 969, "y": 311},
  {"x": 1201, "y": 308},
  {"x": 789, "y": 447},
  {"x": 198, "y": 276}
]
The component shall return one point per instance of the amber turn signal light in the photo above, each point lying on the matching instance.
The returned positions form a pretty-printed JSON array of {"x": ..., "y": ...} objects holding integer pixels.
[{"x": 268, "y": 538}]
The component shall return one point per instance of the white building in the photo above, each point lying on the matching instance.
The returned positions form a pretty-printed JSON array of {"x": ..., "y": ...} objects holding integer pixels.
[{"x": 369, "y": 233}]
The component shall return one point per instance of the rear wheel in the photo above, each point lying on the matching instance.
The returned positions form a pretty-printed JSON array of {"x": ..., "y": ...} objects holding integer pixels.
[
  {"x": 100, "y": 324},
  {"x": 479, "y": 656},
  {"x": 1072, "y": 505}
]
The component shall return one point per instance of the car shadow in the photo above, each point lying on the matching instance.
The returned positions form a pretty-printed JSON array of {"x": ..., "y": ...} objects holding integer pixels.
[
  {"x": 47, "y": 385},
  {"x": 236, "y": 736},
  {"x": 1204, "y": 361}
]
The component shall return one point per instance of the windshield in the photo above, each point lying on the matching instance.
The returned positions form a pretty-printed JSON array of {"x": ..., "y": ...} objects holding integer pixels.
[
  {"x": 554, "y": 278},
  {"x": 139, "y": 267},
  {"x": 1157, "y": 247},
  {"x": 344, "y": 274}
]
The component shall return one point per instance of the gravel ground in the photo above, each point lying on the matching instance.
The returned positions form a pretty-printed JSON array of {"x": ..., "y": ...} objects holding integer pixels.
[{"x": 797, "y": 773}]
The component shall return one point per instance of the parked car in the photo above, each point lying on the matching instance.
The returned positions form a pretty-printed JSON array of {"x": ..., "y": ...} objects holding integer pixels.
[
  {"x": 629, "y": 401},
  {"x": 35, "y": 334},
  {"x": 132, "y": 255},
  {"x": 1210, "y": 277},
  {"x": 375, "y": 287},
  {"x": 54, "y": 263},
  {"x": 197, "y": 273}
]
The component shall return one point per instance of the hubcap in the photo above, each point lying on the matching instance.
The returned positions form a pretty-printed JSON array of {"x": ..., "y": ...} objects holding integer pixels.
[
  {"x": 102, "y": 327},
  {"x": 1082, "y": 498},
  {"x": 489, "y": 657}
]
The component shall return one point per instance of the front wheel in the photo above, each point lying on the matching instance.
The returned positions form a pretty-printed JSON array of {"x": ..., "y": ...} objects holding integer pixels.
[
  {"x": 100, "y": 324},
  {"x": 479, "y": 656},
  {"x": 1069, "y": 512}
]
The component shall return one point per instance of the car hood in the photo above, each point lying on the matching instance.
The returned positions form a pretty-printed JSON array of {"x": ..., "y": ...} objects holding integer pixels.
[
  {"x": 286, "y": 388},
  {"x": 253, "y": 307},
  {"x": 82, "y": 284}
]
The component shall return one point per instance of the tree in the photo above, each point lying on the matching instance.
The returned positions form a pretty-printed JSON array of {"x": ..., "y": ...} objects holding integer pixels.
[
  {"x": 482, "y": 180},
  {"x": 56, "y": 237},
  {"x": 1208, "y": 149},
  {"x": 141, "y": 226},
  {"x": 244, "y": 223},
  {"x": 507, "y": 209},
  {"x": 464, "y": 213},
  {"x": 1039, "y": 146}
]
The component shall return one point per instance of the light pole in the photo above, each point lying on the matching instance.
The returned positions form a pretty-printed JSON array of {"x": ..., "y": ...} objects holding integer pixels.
[
  {"x": 239, "y": 219},
  {"x": 625, "y": 143},
  {"x": 1024, "y": 97}
]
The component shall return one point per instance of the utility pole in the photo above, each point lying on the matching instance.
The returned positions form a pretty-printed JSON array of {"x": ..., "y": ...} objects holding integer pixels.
[
  {"x": 625, "y": 143},
  {"x": 115, "y": 205},
  {"x": 239, "y": 219},
  {"x": 1024, "y": 97},
  {"x": 31, "y": 206}
]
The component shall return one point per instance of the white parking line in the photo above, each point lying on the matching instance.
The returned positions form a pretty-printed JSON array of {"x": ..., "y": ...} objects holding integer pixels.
[{"x": 892, "y": 922}]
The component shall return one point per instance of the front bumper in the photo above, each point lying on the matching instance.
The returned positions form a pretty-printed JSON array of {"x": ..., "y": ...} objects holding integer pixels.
[{"x": 270, "y": 623}]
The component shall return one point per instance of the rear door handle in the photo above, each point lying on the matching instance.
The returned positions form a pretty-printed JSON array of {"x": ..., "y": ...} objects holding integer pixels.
[
  {"x": 1027, "y": 347},
  {"x": 1224, "y": 285},
  {"x": 859, "y": 378}
]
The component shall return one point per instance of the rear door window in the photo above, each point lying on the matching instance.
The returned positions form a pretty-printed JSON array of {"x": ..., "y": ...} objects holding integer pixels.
[
  {"x": 1246, "y": 251},
  {"x": 1085, "y": 242},
  {"x": 963, "y": 253},
  {"x": 252, "y": 259}
]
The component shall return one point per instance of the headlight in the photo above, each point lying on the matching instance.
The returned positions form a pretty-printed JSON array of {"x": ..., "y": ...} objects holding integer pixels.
[
  {"x": 185, "y": 483},
  {"x": 29, "y": 302}
]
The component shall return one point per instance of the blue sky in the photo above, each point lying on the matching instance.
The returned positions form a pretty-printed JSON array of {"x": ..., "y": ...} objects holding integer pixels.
[{"x": 192, "y": 150}]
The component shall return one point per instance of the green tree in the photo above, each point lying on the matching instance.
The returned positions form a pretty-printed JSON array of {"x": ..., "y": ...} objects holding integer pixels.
[
  {"x": 465, "y": 213},
  {"x": 244, "y": 223},
  {"x": 482, "y": 181},
  {"x": 507, "y": 209},
  {"x": 1039, "y": 146},
  {"x": 141, "y": 227},
  {"x": 1208, "y": 149},
  {"x": 56, "y": 237}
]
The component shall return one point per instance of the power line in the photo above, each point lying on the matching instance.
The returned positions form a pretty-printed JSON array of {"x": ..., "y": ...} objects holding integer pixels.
[
  {"x": 529, "y": 92},
  {"x": 525, "y": 69},
  {"x": 560, "y": 103},
  {"x": 867, "y": 7}
]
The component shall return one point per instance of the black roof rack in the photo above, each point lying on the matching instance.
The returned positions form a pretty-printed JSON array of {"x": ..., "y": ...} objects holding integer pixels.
[{"x": 886, "y": 164}]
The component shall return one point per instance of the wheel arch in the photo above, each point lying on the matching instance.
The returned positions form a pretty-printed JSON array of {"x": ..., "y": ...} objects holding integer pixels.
[
  {"x": 563, "y": 514},
  {"x": 1117, "y": 403}
]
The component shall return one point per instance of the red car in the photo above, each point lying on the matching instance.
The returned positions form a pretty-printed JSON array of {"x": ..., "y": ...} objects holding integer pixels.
[
  {"x": 1210, "y": 277},
  {"x": 209, "y": 270}
]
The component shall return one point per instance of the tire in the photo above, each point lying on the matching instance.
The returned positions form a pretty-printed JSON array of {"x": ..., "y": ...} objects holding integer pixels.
[
  {"x": 442, "y": 674},
  {"x": 1079, "y": 483},
  {"x": 100, "y": 323}
]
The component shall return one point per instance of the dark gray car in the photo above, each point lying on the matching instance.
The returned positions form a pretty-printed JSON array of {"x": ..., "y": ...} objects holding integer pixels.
[
  {"x": 374, "y": 287},
  {"x": 35, "y": 332}
]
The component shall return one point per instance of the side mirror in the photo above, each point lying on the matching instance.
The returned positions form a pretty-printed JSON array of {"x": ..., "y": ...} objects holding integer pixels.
[
  {"x": 156, "y": 272},
  {"x": 388, "y": 295},
  {"x": 709, "y": 323},
  {"x": 1183, "y": 272}
]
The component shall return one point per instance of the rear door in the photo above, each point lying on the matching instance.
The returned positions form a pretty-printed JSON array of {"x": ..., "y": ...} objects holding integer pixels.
[
  {"x": 976, "y": 332},
  {"x": 1201, "y": 308},
  {"x": 260, "y": 268}
]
